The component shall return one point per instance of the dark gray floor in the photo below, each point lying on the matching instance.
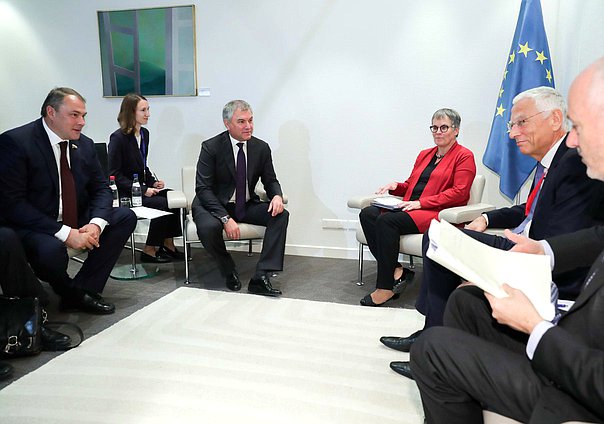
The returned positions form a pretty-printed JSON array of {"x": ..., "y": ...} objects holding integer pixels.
[{"x": 321, "y": 279}]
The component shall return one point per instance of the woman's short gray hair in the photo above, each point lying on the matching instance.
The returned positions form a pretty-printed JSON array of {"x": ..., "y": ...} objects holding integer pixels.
[
  {"x": 230, "y": 108},
  {"x": 448, "y": 113},
  {"x": 546, "y": 99}
]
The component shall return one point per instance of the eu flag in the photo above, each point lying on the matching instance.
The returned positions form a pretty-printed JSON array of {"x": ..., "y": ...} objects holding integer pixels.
[{"x": 528, "y": 66}]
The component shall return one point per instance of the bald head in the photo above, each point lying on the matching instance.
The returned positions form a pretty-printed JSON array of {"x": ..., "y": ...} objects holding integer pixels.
[{"x": 586, "y": 111}]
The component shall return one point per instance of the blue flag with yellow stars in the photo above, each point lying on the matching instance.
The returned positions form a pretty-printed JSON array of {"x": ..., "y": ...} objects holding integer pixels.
[{"x": 528, "y": 66}]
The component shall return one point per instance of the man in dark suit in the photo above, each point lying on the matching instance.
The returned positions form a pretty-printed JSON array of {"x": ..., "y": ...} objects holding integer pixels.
[
  {"x": 517, "y": 364},
  {"x": 55, "y": 196},
  {"x": 564, "y": 204},
  {"x": 229, "y": 167}
]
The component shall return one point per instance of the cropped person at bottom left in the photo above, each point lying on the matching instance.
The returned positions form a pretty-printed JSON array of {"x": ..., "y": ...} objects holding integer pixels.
[{"x": 18, "y": 280}]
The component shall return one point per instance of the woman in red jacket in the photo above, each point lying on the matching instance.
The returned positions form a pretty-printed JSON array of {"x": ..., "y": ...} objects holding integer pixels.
[{"x": 441, "y": 178}]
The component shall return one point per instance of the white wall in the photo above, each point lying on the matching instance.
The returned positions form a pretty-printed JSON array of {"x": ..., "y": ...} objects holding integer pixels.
[{"x": 343, "y": 91}]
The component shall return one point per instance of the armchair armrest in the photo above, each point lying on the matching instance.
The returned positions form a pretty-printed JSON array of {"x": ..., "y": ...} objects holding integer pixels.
[
  {"x": 264, "y": 197},
  {"x": 461, "y": 214},
  {"x": 360, "y": 202},
  {"x": 177, "y": 199}
]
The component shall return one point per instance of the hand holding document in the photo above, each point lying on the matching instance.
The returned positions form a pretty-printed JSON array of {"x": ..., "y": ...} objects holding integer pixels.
[
  {"x": 488, "y": 267},
  {"x": 387, "y": 202}
]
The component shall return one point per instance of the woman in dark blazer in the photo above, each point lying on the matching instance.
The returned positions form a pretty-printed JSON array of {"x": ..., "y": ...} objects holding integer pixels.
[
  {"x": 441, "y": 178},
  {"x": 128, "y": 151}
]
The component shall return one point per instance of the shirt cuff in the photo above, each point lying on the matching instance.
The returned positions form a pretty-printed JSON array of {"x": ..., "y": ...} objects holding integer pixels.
[
  {"x": 547, "y": 250},
  {"x": 486, "y": 218},
  {"x": 63, "y": 233},
  {"x": 535, "y": 337},
  {"x": 100, "y": 222}
]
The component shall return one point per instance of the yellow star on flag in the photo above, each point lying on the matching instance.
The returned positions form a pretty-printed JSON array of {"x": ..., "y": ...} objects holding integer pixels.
[
  {"x": 540, "y": 57},
  {"x": 500, "y": 92},
  {"x": 505, "y": 74},
  {"x": 512, "y": 57},
  {"x": 500, "y": 110},
  {"x": 524, "y": 49},
  {"x": 548, "y": 75}
]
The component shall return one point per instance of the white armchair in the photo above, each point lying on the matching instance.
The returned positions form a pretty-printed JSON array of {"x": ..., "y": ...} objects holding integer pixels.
[
  {"x": 411, "y": 244},
  {"x": 182, "y": 200}
]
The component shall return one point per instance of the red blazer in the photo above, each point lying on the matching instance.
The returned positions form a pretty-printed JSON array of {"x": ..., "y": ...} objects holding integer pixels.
[{"x": 449, "y": 184}]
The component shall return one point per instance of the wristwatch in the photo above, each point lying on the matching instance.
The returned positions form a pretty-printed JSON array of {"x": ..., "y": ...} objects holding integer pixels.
[{"x": 225, "y": 219}]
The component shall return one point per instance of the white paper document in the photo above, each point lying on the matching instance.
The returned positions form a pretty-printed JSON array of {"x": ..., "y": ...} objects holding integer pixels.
[
  {"x": 143, "y": 212},
  {"x": 489, "y": 268},
  {"x": 387, "y": 202}
]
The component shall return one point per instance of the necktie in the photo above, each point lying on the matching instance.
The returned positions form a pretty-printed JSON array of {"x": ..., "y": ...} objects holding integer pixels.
[
  {"x": 68, "y": 191},
  {"x": 240, "y": 181},
  {"x": 532, "y": 199}
]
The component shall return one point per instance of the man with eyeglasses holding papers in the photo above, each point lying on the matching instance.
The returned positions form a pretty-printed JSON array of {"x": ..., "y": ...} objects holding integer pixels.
[{"x": 562, "y": 200}]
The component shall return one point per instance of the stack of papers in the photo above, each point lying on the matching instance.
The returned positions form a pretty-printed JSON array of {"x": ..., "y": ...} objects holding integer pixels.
[
  {"x": 488, "y": 267},
  {"x": 387, "y": 202}
]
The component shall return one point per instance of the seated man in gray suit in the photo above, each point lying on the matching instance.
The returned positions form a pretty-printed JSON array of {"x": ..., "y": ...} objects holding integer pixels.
[
  {"x": 499, "y": 354},
  {"x": 229, "y": 167}
]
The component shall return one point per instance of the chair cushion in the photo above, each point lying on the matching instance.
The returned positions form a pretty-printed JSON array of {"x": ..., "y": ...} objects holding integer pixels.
[
  {"x": 248, "y": 231},
  {"x": 410, "y": 244}
]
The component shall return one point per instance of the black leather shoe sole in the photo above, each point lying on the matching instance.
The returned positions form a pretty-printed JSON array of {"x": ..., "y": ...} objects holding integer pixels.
[{"x": 402, "y": 368}]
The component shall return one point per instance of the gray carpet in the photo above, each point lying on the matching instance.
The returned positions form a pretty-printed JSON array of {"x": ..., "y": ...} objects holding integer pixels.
[{"x": 321, "y": 279}]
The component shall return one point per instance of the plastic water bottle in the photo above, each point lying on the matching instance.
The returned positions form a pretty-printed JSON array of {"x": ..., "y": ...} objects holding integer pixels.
[
  {"x": 137, "y": 193},
  {"x": 113, "y": 187}
]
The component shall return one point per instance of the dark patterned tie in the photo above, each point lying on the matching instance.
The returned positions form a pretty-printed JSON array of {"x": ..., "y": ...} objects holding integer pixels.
[
  {"x": 68, "y": 191},
  {"x": 240, "y": 181}
]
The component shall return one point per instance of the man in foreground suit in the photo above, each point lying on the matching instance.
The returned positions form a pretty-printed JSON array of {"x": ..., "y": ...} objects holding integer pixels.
[
  {"x": 565, "y": 203},
  {"x": 229, "y": 167},
  {"x": 477, "y": 363},
  {"x": 55, "y": 196}
]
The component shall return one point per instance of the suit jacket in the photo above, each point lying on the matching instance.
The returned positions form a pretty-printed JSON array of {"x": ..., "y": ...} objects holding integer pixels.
[
  {"x": 125, "y": 160},
  {"x": 29, "y": 199},
  {"x": 215, "y": 181},
  {"x": 578, "y": 249},
  {"x": 449, "y": 184},
  {"x": 566, "y": 203},
  {"x": 571, "y": 356}
]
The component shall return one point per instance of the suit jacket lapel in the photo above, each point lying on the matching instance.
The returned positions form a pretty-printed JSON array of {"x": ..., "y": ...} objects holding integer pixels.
[
  {"x": 594, "y": 282},
  {"x": 228, "y": 151},
  {"x": 47, "y": 153}
]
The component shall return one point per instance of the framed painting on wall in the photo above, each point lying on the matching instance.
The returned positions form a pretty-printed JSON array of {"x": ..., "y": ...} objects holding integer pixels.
[{"x": 148, "y": 51}]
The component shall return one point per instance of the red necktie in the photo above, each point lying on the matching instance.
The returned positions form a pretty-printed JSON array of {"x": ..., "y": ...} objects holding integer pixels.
[
  {"x": 68, "y": 191},
  {"x": 533, "y": 195}
]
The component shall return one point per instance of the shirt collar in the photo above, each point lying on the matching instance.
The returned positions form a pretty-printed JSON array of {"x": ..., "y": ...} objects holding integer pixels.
[
  {"x": 546, "y": 161},
  {"x": 234, "y": 142},
  {"x": 54, "y": 139}
]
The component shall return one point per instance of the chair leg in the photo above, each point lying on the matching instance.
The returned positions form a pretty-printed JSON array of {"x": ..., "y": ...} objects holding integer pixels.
[
  {"x": 360, "y": 271},
  {"x": 411, "y": 265},
  {"x": 249, "y": 248},
  {"x": 186, "y": 245}
]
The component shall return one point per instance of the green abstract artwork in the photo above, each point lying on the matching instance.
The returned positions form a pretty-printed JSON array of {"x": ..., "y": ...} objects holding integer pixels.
[{"x": 148, "y": 51}]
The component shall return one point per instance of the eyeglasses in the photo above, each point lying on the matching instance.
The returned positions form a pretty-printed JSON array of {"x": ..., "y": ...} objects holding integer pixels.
[
  {"x": 522, "y": 122},
  {"x": 443, "y": 128}
]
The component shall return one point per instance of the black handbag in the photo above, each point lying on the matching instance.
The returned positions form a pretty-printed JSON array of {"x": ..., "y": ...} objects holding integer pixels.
[{"x": 20, "y": 322}]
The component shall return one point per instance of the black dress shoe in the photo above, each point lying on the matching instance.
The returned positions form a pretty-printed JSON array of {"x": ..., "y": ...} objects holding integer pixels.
[
  {"x": 53, "y": 340},
  {"x": 401, "y": 343},
  {"x": 262, "y": 286},
  {"x": 175, "y": 254},
  {"x": 368, "y": 301},
  {"x": 232, "y": 282},
  {"x": 402, "y": 283},
  {"x": 159, "y": 258},
  {"x": 88, "y": 302},
  {"x": 402, "y": 367},
  {"x": 6, "y": 370}
]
